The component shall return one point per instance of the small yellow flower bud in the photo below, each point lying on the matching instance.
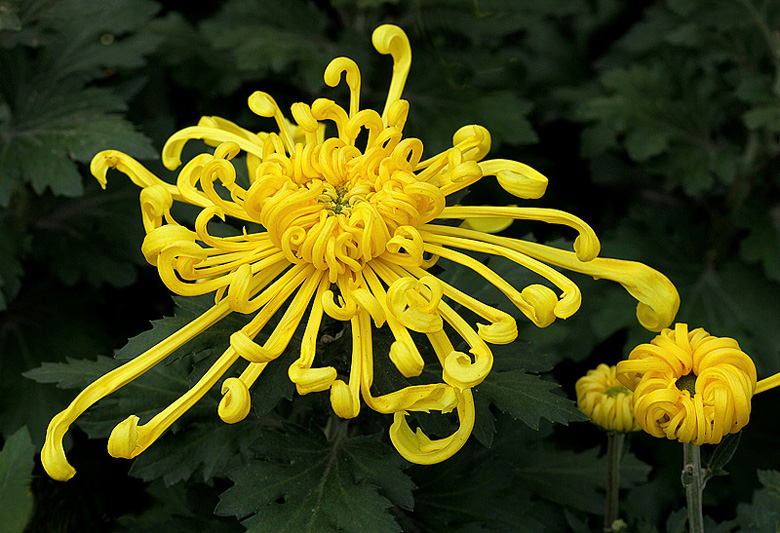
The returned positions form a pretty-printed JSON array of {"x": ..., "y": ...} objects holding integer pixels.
[{"x": 605, "y": 400}]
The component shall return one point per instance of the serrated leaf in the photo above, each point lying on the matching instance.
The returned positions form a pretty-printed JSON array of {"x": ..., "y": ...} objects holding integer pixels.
[
  {"x": 73, "y": 373},
  {"x": 309, "y": 484},
  {"x": 485, "y": 423},
  {"x": 83, "y": 38},
  {"x": 187, "y": 308},
  {"x": 95, "y": 238},
  {"x": 51, "y": 119},
  {"x": 16, "y": 464},
  {"x": 437, "y": 113},
  {"x": 529, "y": 398},
  {"x": 60, "y": 124},
  {"x": 212, "y": 449}
]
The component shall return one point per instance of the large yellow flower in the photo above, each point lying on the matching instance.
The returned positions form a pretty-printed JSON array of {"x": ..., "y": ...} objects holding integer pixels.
[
  {"x": 347, "y": 230},
  {"x": 691, "y": 386},
  {"x": 606, "y": 401}
]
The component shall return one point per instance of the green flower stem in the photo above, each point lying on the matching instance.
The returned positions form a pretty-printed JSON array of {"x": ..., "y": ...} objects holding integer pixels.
[
  {"x": 693, "y": 481},
  {"x": 614, "y": 453}
]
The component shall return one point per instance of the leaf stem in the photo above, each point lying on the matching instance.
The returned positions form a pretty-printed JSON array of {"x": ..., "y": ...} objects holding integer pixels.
[
  {"x": 692, "y": 479},
  {"x": 614, "y": 453}
]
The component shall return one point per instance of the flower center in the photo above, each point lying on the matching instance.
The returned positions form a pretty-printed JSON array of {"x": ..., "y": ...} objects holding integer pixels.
[
  {"x": 616, "y": 390},
  {"x": 688, "y": 383},
  {"x": 333, "y": 206}
]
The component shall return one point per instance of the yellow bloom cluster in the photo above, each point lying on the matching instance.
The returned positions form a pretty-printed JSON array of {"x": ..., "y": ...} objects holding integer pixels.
[
  {"x": 348, "y": 230},
  {"x": 606, "y": 401},
  {"x": 690, "y": 386}
]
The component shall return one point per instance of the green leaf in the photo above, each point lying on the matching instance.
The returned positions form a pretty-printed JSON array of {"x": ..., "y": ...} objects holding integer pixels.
[
  {"x": 437, "y": 112},
  {"x": 95, "y": 238},
  {"x": 73, "y": 373},
  {"x": 723, "y": 454},
  {"x": 60, "y": 124},
  {"x": 215, "y": 338},
  {"x": 529, "y": 398},
  {"x": 16, "y": 464},
  {"x": 763, "y": 117},
  {"x": 762, "y": 243},
  {"x": 737, "y": 301},
  {"x": 83, "y": 38},
  {"x": 9, "y": 18},
  {"x": 212, "y": 449},
  {"x": 306, "y": 483},
  {"x": 676, "y": 521},
  {"x": 642, "y": 144},
  {"x": 51, "y": 119}
]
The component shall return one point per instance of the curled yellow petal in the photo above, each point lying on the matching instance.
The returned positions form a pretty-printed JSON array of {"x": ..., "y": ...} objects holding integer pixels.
[
  {"x": 352, "y": 75},
  {"x": 516, "y": 178},
  {"x": 134, "y": 170},
  {"x": 586, "y": 244},
  {"x": 390, "y": 39},
  {"x": 417, "y": 448},
  {"x": 235, "y": 403}
]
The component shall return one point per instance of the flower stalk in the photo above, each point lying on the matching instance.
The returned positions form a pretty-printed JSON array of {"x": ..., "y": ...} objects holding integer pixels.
[
  {"x": 614, "y": 454},
  {"x": 693, "y": 480}
]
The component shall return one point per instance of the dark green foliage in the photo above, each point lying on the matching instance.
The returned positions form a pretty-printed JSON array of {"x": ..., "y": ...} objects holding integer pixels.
[
  {"x": 51, "y": 119},
  {"x": 16, "y": 464},
  {"x": 656, "y": 122},
  {"x": 308, "y": 483},
  {"x": 763, "y": 514}
]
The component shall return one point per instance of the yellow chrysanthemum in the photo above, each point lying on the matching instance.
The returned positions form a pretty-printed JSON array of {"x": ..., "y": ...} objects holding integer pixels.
[
  {"x": 347, "y": 232},
  {"x": 605, "y": 400},
  {"x": 691, "y": 386}
]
